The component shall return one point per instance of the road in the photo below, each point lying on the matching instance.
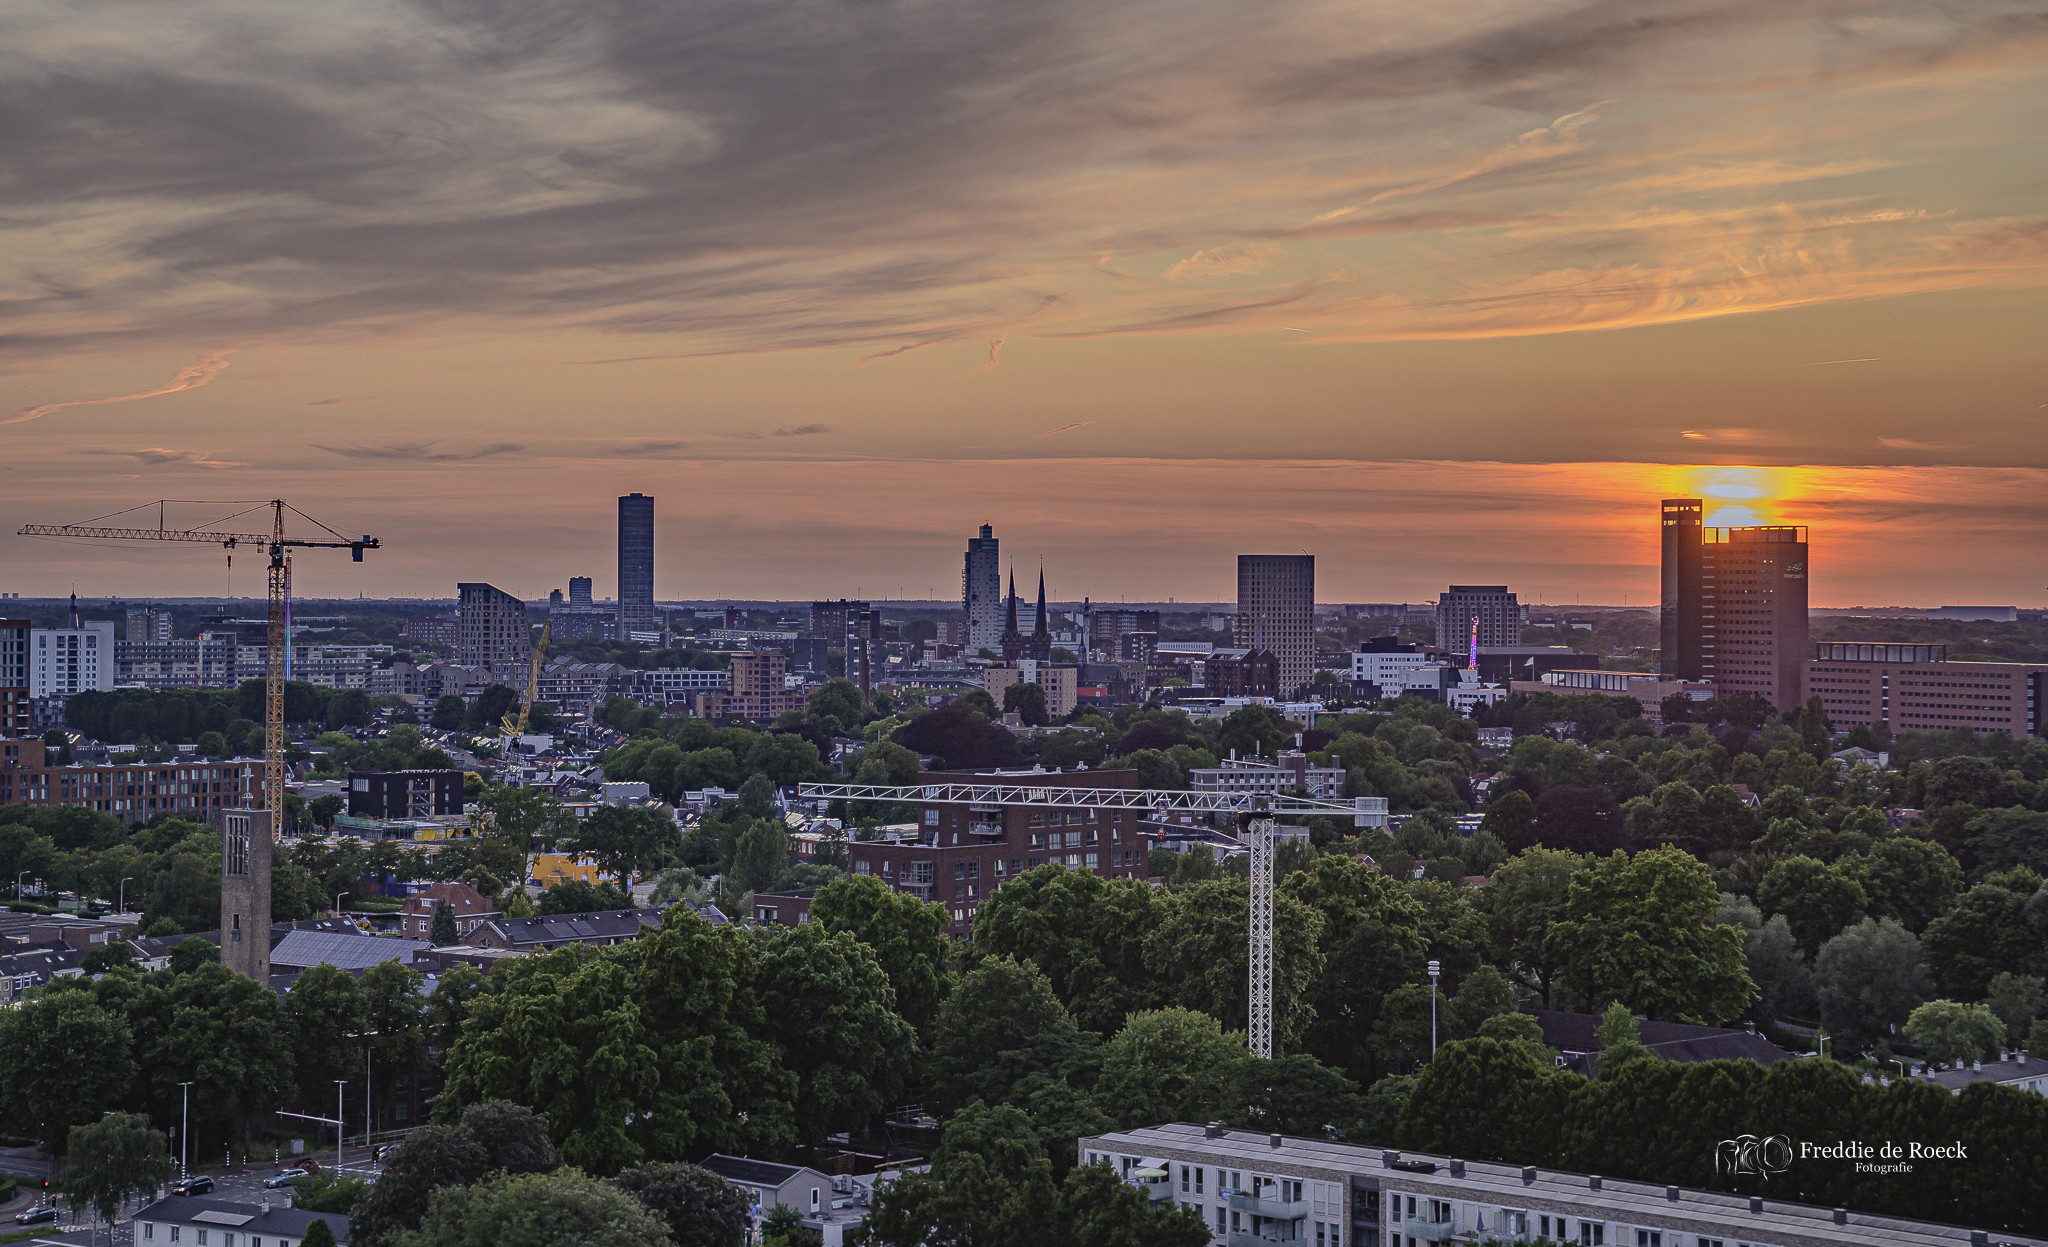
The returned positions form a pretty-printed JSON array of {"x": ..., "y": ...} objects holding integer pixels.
[{"x": 244, "y": 1186}]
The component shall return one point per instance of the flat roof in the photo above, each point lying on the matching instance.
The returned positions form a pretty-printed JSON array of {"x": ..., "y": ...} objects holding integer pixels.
[{"x": 1631, "y": 1202}]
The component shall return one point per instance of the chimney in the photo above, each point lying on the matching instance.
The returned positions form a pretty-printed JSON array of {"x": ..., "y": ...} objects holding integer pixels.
[
  {"x": 1388, "y": 1159},
  {"x": 1273, "y": 1141},
  {"x": 1749, "y": 1027},
  {"x": 1756, "y": 1203},
  {"x": 1457, "y": 1168},
  {"x": 1671, "y": 1193},
  {"x": 1528, "y": 1173},
  {"x": 1214, "y": 1130},
  {"x": 1841, "y": 1216},
  {"x": 1593, "y": 1182},
  {"x": 1977, "y": 1067}
]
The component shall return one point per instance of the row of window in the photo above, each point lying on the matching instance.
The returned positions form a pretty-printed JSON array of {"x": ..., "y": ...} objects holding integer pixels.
[{"x": 202, "y": 1237}]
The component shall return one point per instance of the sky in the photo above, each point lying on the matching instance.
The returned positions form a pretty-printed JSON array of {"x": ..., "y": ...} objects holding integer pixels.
[{"x": 1444, "y": 292}]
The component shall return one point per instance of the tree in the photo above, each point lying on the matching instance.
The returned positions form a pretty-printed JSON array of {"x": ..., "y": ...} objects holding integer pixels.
[
  {"x": 1455, "y": 1105},
  {"x": 1372, "y": 941},
  {"x": 994, "y": 1029},
  {"x": 1580, "y": 820},
  {"x": 325, "y": 808},
  {"x": 444, "y": 932},
  {"x": 1915, "y": 881},
  {"x": 115, "y": 1159},
  {"x": 701, "y": 1208},
  {"x": 1511, "y": 818},
  {"x": 2017, "y": 999},
  {"x": 1954, "y": 1033},
  {"x": 574, "y": 896},
  {"x": 840, "y": 701},
  {"x": 1642, "y": 930},
  {"x": 491, "y": 1136},
  {"x": 1522, "y": 902},
  {"x": 63, "y": 1059},
  {"x": 1866, "y": 980},
  {"x": 830, "y": 1009},
  {"x": 761, "y": 854},
  {"x": 318, "y": 1235},
  {"x": 449, "y": 710},
  {"x": 189, "y": 954},
  {"x": 1197, "y": 953},
  {"x": 1484, "y": 993},
  {"x": 1778, "y": 966},
  {"x": 1026, "y": 700},
  {"x": 1985, "y": 933},
  {"x": 566, "y": 1208},
  {"x": 1621, "y": 1040},
  {"x": 628, "y": 841},
  {"x": 1817, "y": 899},
  {"x": 323, "y": 1012},
  {"x": 960, "y": 739},
  {"x": 908, "y": 937},
  {"x": 1166, "y": 1065},
  {"x": 395, "y": 1012}
]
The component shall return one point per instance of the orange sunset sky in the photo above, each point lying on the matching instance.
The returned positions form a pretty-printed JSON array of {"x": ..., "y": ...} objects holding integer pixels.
[{"x": 1435, "y": 291}]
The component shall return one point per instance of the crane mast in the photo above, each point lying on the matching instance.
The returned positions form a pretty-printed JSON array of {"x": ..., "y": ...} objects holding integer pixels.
[
  {"x": 512, "y": 728},
  {"x": 277, "y": 655}
]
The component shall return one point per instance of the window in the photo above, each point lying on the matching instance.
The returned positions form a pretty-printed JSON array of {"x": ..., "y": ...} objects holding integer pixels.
[
  {"x": 974, "y": 870},
  {"x": 1710, "y": 1242},
  {"x": 861, "y": 867},
  {"x": 202, "y": 1238},
  {"x": 888, "y": 868},
  {"x": 1093, "y": 836},
  {"x": 174, "y": 1233},
  {"x": 959, "y": 870},
  {"x": 814, "y": 1199},
  {"x": 1000, "y": 872},
  {"x": 931, "y": 818},
  {"x": 1219, "y": 1221},
  {"x": 1037, "y": 840},
  {"x": 1649, "y": 1238},
  {"x": 1592, "y": 1234},
  {"x": 1038, "y": 818},
  {"x": 148, "y": 1230},
  {"x": 1198, "y": 1181},
  {"x": 1183, "y": 1179},
  {"x": 1094, "y": 859}
]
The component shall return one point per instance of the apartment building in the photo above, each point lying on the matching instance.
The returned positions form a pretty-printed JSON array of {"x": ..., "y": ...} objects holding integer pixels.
[
  {"x": 961, "y": 852},
  {"x": 1271, "y": 778},
  {"x": 16, "y": 714},
  {"x": 759, "y": 690},
  {"x": 64, "y": 661},
  {"x": 1259, "y": 1190},
  {"x": 1276, "y": 603},
  {"x": 198, "y": 790},
  {"x": 1915, "y": 688},
  {"x": 1061, "y": 683}
]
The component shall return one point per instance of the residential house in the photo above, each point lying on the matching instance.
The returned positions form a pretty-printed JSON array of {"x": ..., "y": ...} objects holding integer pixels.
[
  {"x": 202, "y": 1221},
  {"x": 470, "y": 906}
]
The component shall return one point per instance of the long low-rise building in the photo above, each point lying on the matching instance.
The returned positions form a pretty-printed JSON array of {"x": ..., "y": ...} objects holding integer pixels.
[
  {"x": 133, "y": 794},
  {"x": 1915, "y": 688},
  {"x": 1255, "y": 1190},
  {"x": 197, "y": 1221}
]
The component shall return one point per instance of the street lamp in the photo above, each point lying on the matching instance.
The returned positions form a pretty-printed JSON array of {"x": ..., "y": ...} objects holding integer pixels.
[
  {"x": 339, "y": 1131},
  {"x": 1435, "y": 968},
  {"x": 121, "y": 904},
  {"x": 185, "y": 1134},
  {"x": 337, "y": 903},
  {"x": 17, "y": 883}
]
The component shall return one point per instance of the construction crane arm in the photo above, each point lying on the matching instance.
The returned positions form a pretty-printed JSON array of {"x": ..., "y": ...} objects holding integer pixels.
[
  {"x": 515, "y": 728},
  {"x": 180, "y": 534}
]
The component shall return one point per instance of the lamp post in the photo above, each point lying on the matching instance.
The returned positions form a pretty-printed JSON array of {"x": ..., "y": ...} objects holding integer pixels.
[
  {"x": 121, "y": 904},
  {"x": 339, "y": 1131},
  {"x": 17, "y": 883},
  {"x": 185, "y": 1134},
  {"x": 337, "y": 903},
  {"x": 1435, "y": 968}
]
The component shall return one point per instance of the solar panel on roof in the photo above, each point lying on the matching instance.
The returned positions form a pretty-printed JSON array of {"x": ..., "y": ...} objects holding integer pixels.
[{"x": 346, "y": 952}]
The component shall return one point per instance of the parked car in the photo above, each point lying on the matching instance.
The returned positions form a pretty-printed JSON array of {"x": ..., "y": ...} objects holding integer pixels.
[
  {"x": 197, "y": 1184},
  {"x": 284, "y": 1178},
  {"x": 48, "y": 1212}
]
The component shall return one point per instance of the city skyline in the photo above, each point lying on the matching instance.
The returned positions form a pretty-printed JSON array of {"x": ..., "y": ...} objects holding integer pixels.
[{"x": 1292, "y": 280}]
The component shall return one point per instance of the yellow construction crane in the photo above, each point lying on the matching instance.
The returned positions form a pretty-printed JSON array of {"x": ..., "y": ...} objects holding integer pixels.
[
  {"x": 516, "y": 728},
  {"x": 278, "y": 655}
]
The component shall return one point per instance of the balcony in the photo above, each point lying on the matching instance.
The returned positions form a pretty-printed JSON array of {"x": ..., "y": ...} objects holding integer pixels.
[
  {"x": 1274, "y": 1208},
  {"x": 1428, "y": 1231},
  {"x": 1155, "y": 1188},
  {"x": 994, "y": 830},
  {"x": 1271, "y": 1236}
]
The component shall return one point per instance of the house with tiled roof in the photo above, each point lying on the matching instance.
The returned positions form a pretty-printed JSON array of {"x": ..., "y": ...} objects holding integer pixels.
[
  {"x": 198, "y": 1221},
  {"x": 470, "y": 906}
]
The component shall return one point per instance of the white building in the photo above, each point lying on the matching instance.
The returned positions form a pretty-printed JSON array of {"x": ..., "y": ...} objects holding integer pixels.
[
  {"x": 63, "y": 661},
  {"x": 1395, "y": 671}
]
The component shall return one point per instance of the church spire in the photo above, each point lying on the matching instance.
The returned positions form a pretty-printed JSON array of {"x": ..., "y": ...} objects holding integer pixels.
[
  {"x": 1038, "y": 628},
  {"x": 1010, "y": 622}
]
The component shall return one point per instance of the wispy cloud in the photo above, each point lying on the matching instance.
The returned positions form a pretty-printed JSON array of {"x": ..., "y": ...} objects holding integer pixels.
[
  {"x": 1236, "y": 260},
  {"x": 803, "y": 430},
  {"x": 338, "y": 402},
  {"x": 1065, "y": 428},
  {"x": 190, "y": 377},
  {"x": 422, "y": 452},
  {"x": 158, "y": 456},
  {"x": 995, "y": 350},
  {"x": 1907, "y": 443},
  {"x": 1557, "y": 138}
]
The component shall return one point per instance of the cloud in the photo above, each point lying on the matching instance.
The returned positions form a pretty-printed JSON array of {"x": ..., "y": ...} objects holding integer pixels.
[
  {"x": 1241, "y": 259},
  {"x": 1557, "y": 138},
  {"x": 418, "y": 452},
  {"x": 1065, "y": 428},
  {"x": 337, "y": 402},
  {"x": 190, "y": 377},
  {"x": 1907, "y": 443},
  {"x": 158, "y": 456},
  {"x": 995, "y": 349},
  {"x": 802, "y": 430}
]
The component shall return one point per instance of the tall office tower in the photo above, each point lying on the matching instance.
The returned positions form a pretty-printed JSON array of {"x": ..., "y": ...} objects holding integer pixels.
[
  {"x": 1500, "y": 617},
  {"x": 245, "y": 892},
  {"x": 981, "y": 593},
  {"x": 1276, "y": 610},
  {"x": 1685, "y": 620},
  {"x": 1734, "y": 605},
  {"x": 636, "y": 562},
  {"x": 579, "y": 591},
  {"x": 1757, "y": 581},
  {"x": 491, "y": 632},
  {"x": 828, "y": 621}
]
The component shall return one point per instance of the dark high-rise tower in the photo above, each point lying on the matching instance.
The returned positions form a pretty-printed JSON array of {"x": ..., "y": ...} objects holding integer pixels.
[
  {"x": 1276, "y": 611},
  {"x": 1685, "y": 625},
  {"x": 1734, "y": 605},
  {"x": 636, "y": 562},
  {"x": 981, "y": 592}
]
